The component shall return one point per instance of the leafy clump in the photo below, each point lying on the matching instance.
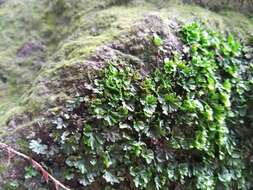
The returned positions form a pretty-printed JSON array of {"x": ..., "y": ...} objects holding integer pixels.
[
  {"x": 172, "y": 128},
  {"x": 30, "y": 172}
]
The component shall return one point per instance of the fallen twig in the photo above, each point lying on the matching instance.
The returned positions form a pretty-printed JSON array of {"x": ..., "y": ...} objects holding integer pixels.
[{"x": 46, "y": 175}]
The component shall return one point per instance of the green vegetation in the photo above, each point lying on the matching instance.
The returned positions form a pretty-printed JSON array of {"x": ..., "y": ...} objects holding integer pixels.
[
  {"x": 182, "y": 121},
  {"x": 71, "y": 35},
  {"x": 172, "y": 127}
]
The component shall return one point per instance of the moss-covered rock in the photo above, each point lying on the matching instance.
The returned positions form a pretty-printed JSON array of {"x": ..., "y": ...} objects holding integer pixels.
[
  {"x": 244, "y": 6},
  {"x": 49, "y": 49}
]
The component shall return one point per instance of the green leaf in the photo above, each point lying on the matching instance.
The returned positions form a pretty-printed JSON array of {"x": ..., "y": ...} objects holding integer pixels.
[
  {"x": 13, "y": 184},
  {"x": 148, "y": 155},
  {"x": 30, "y": 172},
  {"x": 99, "y": 112},
  {"x": 192, "y": 105},
  {"x": 107, "y": 159},
  {"x": 201, "y": 140},
  {"x": 124, "y": 126},
  {"x": 227, "y": 86},
  {"x": 225, "y": 98},
  {"x": 172, "y": 101},
  {"x": 69, "y": 175},
  {"x": 150, "y": 100},
  {"x": 149, "y": 110},
  {"x": 80, "y": 166},
  {"x": 37, "y": 147},
  {"x": 211, "y": 84},
  {"x": 84, "y": 182},
  {"x": 141, "y": 177},
  {"x": 169, "y": 66},
  {"x": 90, "y": 140},
  {"x": 170, "y": 171},
  {"x": 226, "y": 176},
  {"x": 208, "y": 113},
  {"x": 158, "y": 184},
  {"x": 150, "y": 104},
  {"x": 135, "y": 148},
  {"x": 140, "y": 126},
  {"x": 157, "y": 40},
  {"x": 110, "y": 178}
]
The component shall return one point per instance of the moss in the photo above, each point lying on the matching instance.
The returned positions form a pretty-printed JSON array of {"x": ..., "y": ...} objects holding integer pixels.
[
  {"x": 2, "y": 168},
  {"x": 103, "y": 26},
  {"x": 96, "y": 29},
  {"x": 11, "y": 185},
  {"x": 8, "y": 107},
  {"x": 17, "y": 27},
  {"x": 238, "y": 24},
  {"x": 226, "y": 21},
  {"x": 22, "y": 144}
]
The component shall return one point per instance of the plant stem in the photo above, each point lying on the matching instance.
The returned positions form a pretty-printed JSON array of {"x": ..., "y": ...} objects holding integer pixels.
[{"x": 46, "y": 175}]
